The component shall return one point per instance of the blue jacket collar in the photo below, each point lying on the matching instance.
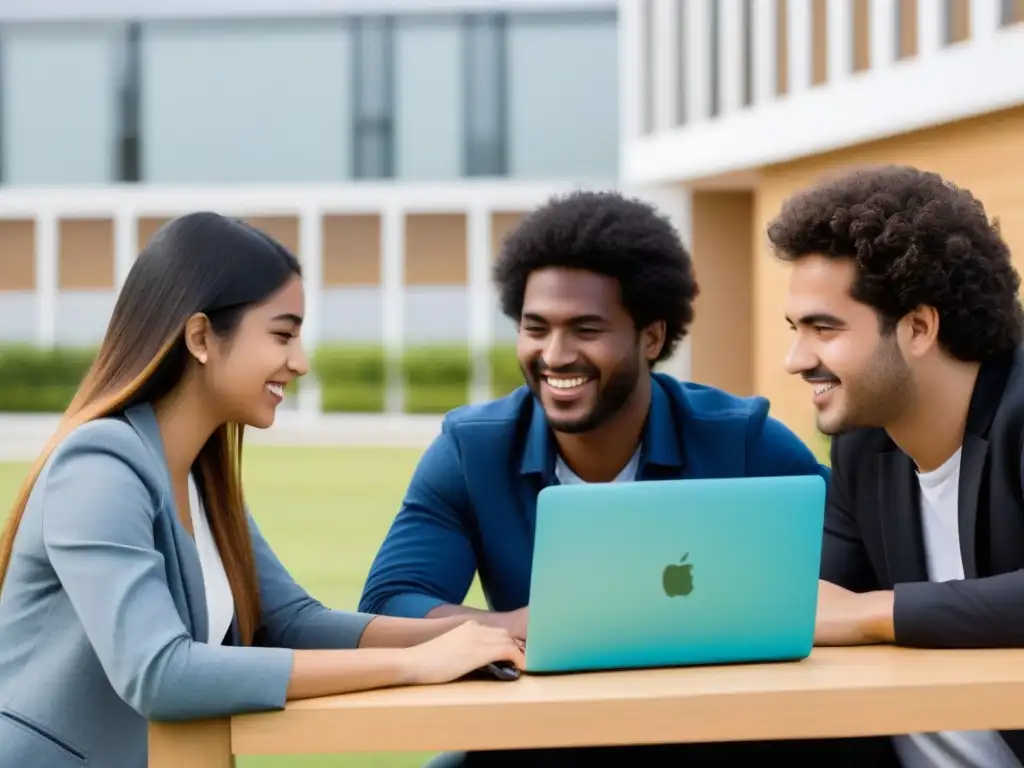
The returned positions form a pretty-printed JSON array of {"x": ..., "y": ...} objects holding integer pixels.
[{"x": 661, "y": 442}]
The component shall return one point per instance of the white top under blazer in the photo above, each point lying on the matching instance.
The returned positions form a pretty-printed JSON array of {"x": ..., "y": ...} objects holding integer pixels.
[{"x": 220, "y": 604}]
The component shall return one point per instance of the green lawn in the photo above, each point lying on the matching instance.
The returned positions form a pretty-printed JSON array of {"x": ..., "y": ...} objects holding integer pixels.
[{"x": 325, "y": 512}]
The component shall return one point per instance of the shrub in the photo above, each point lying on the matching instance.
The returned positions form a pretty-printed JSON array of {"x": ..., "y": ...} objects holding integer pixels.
[
  {"x": 41, "y": 380},
  {"x": 352, "y": 377}
]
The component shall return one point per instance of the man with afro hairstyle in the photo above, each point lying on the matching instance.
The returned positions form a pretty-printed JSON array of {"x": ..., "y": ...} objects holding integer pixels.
[
  {"x": 908, "y": 325},
  {"x": 601, "y": 289}
]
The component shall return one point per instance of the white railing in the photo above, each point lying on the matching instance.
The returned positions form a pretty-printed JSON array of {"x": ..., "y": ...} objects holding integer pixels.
[
  {"x": 309, "y": 204},
  {"x": 939, "y": 83}
]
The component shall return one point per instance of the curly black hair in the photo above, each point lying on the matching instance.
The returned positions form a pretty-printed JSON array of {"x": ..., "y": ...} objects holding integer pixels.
[
  {"x": 612, "y": 235},
  {"x": 917, "y": 240}
]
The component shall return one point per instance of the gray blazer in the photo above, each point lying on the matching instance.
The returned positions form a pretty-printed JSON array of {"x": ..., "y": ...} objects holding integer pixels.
[{"x": 103, "y": 621}]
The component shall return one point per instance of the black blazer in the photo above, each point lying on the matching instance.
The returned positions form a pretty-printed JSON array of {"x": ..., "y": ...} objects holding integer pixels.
[{"x": 873, "y": 538}]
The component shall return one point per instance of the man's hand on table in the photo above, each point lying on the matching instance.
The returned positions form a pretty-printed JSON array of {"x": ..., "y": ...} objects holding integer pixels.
[
  {"x": 515, "y": 622},
  {"x": 512, "y": 621},
  {"x": 852, "y": 618}
]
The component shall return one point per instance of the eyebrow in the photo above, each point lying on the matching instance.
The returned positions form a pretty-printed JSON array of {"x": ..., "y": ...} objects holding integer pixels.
[
  {"x": 818, "y": 318},
  {"x": 289, "y": 317},
  {"x": 579, "y": 319}
]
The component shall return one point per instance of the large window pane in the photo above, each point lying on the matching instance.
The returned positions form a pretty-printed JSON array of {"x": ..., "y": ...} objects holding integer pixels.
[
  {"x": 428, "y": 98},
  {"x": 563, "y": 105},
  {"x": 373, "y": 97},
  {"x": 486, "y": 72},
  {"x": 246, "y": 101},
  {"x": 59, "y": 103}
]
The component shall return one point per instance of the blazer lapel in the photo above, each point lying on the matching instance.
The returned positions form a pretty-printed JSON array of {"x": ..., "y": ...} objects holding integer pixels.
[
  {"x": 143, "y": 420},
  {"x": 904, "y": 548},
  {"x": 972, "y": 465},
  {"x": 901, "y": 525},
  {"x": 985, "y": 400},
  {"x": 194, "y": 585}
]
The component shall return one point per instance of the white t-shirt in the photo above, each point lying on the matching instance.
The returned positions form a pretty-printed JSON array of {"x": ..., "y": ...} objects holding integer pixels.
[
  {"x": 940, "y": 525},
  {"x": 220, "y": 604},
  {"x": 567, "y": 477}
]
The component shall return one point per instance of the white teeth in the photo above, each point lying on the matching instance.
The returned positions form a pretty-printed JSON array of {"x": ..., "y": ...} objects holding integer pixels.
[
  {"x": 276, "y": 390},
  {"x": 566, "y": 383},
  {"x": 825, "y": 388}
]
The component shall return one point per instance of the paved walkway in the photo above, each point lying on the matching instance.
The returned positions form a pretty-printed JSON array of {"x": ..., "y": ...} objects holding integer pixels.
[{"x": 22, "y": 436}]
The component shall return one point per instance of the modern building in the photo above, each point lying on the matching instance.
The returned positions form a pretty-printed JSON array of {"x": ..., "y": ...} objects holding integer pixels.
[
  {"x": 729, "y": 106},
  {"x": 390, "y": 143}
]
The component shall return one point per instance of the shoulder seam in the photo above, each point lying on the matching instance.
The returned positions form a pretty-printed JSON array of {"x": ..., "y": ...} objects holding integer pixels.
[{"x": 117, "y": 428}]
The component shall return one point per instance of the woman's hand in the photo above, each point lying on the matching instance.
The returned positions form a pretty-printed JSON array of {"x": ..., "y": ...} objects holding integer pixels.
[{"x": 460, "y": 651}]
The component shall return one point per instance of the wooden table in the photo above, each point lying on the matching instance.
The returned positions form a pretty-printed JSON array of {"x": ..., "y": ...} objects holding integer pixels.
[{"x": 836, "y": 692}]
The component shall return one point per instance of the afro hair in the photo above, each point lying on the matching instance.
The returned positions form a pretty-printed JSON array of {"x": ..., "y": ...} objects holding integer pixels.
[{"x": 612, "y": 235}]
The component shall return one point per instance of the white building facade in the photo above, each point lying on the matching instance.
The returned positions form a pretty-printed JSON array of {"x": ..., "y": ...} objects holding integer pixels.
[
  {"x": 116, "y": 111},
  {"x": 390, "y": 144},
  {"x": 729, "y": 106}
]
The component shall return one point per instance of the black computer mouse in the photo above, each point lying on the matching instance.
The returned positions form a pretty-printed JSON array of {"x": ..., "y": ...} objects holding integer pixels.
[{"x": 502, "y": 670}]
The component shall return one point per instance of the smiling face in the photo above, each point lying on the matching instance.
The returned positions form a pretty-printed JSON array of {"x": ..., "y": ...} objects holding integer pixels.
[
  {"x": 579, "y": 349},
  {"x": 246, "y": 371},
  {"x": 859, "y": 375}
]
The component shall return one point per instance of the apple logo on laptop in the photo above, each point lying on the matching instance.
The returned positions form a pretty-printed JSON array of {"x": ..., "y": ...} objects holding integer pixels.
[{"x": 677, "y": 579}]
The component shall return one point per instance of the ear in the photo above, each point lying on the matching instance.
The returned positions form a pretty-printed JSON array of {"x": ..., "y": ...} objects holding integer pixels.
[
  {"x": 652, "y": 340},
  {"x": 920, "y": 330},
  {"x": 197, "y": 337}
]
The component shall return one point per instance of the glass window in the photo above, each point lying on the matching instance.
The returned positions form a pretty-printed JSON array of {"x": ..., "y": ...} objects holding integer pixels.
[
  {"x": 486, "y": 108},
  {"x": 563, "y": 96},
  {"x": 373, "y": 87},
  {"x": 246, "y": 101},
  {"x": 59, "y": 103},
  {"x": 428, "y": 103},
  {"x": 129, "y": 159}
]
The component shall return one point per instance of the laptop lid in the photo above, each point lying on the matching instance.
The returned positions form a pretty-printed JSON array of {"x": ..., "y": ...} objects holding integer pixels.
[{"x": 675, "y": 572}]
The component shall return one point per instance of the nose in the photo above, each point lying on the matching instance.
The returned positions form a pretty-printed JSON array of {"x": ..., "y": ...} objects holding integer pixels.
[
  {"x": 559, "y": 351},
  {"x": 298, "y": 360},
  {"x": 800, "y": 357}
]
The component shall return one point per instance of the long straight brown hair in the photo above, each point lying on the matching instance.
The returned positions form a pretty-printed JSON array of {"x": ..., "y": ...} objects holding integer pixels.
[{"x": 204, "y": 263}]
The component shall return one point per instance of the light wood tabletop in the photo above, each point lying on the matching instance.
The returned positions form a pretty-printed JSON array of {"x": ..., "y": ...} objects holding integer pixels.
[{"x": 836, "y": 692}]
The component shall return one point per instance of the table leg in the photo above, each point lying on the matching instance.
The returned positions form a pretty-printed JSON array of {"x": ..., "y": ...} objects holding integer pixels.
[{"x": 196, "y": 744}]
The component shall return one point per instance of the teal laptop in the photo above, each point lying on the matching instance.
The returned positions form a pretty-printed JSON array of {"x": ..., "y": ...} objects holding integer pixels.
[{"x": 675, "y": 572}]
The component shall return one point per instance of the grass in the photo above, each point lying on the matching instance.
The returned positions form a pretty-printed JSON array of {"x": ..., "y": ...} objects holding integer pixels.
[{"x": 325, "y": 512}]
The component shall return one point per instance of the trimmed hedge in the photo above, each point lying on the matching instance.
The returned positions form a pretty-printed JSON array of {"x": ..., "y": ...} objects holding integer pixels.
[
  {"x": 352, "y": 377},
  {"x": 34, "y": 380}
]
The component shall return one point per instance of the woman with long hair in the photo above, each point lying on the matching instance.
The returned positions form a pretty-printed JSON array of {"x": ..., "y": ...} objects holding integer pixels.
[{"x": 134, "y": 584}]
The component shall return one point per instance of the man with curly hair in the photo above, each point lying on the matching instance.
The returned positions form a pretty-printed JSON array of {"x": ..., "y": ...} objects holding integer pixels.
[
  {"x": 601, "y": 289},
  {"x": 908, "y": 327}
]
